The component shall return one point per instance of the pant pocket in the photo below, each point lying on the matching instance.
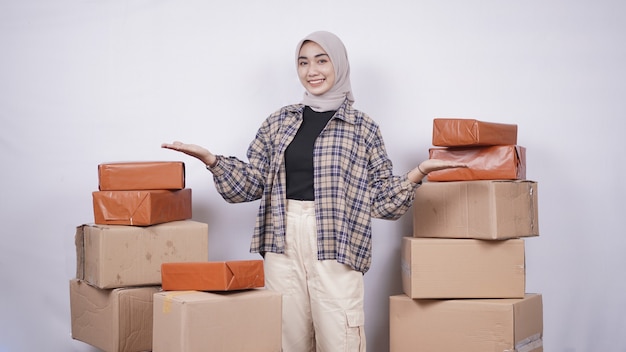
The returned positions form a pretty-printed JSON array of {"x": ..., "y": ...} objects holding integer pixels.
[{"x": 355, "y": 331}]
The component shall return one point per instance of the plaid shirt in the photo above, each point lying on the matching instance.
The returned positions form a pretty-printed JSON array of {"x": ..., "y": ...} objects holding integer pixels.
[{"x": 353, "y": 183}]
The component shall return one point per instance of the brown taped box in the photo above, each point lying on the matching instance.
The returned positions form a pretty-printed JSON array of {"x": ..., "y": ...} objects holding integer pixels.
[
  {"x": 490, "y": 210},
  {"x": 117, "y": 320},
  {"x": 248, "y": 320},
  {"x": 502, "y": 162},
  {"x": 469, "y": 325},
  {"x": 110, "y": 256},
  {"x": 438, "y": 268},
  {"x": 141, "y": 208},
  {"x": 213, "y": 276},
  {"x": 450, "y": 132},
  {"x": 128, "y": 176}
]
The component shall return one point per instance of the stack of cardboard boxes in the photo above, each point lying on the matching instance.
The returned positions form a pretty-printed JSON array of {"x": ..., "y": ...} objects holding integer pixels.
[
  {"x": 142, "y": 226},
  {"x": 463, "y": 270},
  {"x": 141, "y": 219}
]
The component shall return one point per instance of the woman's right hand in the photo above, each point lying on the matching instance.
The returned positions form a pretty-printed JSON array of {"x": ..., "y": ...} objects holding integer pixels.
[{"x": 193, "y": 150}]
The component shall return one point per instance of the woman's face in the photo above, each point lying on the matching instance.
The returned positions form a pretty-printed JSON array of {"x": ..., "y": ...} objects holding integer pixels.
[{"x": 315, "y": 70}]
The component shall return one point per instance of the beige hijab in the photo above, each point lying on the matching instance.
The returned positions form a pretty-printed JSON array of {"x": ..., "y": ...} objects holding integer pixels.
[{"x": 342, "y": 89}]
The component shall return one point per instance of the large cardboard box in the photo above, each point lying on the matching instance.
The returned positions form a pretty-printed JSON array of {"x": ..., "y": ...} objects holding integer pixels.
[
  {"x": 213, "y": 276},
  {"x": 117, "y": 320},
  {"x": 141, "y": 208},
  {"x": 435, "y": 268},
  {"x": 501, "y": 162},
  {"x": 109, "y": 256},
  {"x": 503, "y": 325},
  {"x": 476, "y": 209},
  {"x": 129, "y": 176},
  {"x": 194, "y": 321},
  {"x": 455, "y": 132}
]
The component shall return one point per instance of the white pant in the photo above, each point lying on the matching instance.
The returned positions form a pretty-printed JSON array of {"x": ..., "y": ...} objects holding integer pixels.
[{"x": 322, "y": 300}]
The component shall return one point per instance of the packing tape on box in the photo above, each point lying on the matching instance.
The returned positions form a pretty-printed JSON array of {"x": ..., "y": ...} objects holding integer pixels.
[
  {"x": 532, "y": 210},
  {"x": 405, "y": 267},
  {"x": 528, "y": 344},
  {"x": 169, "y": 297}
]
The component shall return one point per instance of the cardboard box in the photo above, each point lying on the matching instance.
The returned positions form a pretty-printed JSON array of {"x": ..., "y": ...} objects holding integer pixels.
[
  {"x": 118, "y": 320},
  {"x": 450, "y": 132},
  {"x": 436, "y": 268},
  {"x": 109, "y": 256},
  {"x": 141, "y": 208},
  {"x": 476, "y": 209},
  {"x": 503, "y": 325},
  {"x": 131, "y": 176},
  {"x": 189, "y": 321},
  {"x": 213, "y": 276},
  {"x": 501, "y": 162}
]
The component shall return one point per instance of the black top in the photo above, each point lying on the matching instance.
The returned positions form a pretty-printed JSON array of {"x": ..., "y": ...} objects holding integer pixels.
[{"x": 299, "y": 154}]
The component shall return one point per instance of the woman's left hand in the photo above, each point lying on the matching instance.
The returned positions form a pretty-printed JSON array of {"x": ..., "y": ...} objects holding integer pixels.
[{"x": 430, "y": 165}]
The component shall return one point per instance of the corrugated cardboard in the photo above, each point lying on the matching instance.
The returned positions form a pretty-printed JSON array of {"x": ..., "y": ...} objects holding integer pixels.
[
  {"x": 190, "y": 321},
  {"x": 476, "y": 209},
  {"x": 435, "y": 268},
  {"x": 109, "y": 256},
  {"x": 213, "y": 276},
  {"x": 502, "y": 325},
  {"x": 118, "y": 320},
  {"x": 129, "y": 176},
  {"x": 502, "y": 162},
  {"x": 141, "y": 208},
  {"x": 451, "y": 132}
]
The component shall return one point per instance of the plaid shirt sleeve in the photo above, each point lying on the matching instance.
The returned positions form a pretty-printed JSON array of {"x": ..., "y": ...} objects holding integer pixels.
[{"x": 391, "y": 195}]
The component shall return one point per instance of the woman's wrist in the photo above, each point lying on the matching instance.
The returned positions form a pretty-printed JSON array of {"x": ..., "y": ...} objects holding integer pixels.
[
  {"x": 422, "y": 172},
  {"x": 415, "y": 176},
  {"x": 210, "y": 161}
]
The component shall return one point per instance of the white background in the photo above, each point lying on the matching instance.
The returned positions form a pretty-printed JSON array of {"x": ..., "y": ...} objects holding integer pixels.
[{"x": 86, "y": 82}]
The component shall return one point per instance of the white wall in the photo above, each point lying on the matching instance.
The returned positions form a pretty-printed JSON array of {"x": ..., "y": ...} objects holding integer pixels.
[{"x": 85, "y": 82}]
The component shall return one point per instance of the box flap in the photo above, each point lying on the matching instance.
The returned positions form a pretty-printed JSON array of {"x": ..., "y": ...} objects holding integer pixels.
[{"x": 246, "y": 274}]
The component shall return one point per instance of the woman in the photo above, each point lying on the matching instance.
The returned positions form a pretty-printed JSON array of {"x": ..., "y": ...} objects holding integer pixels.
[{"x": 322, "y": 172}]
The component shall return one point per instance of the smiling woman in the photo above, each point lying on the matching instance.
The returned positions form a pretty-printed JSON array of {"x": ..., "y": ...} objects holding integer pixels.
[{"x": 321, "y": 171}]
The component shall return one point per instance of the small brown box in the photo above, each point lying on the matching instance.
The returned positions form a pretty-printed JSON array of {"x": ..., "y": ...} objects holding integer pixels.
[
  {"x": 502, "y": 162},
  {"x": 450, "y": 132},
  {"x": 129, "y": 176},
  {"x": 212, "y": 276},
  {"x": 141, "y": 208}
]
